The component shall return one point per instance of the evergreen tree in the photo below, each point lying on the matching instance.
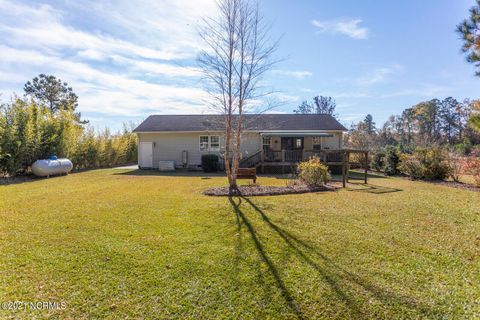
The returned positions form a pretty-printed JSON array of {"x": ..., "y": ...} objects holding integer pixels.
[
  {"x": 469, "y": 30},
  {"x": 369, "y": 124},
  {"x": 54, "y": 93},
  {"x": 474, "y": 119}
]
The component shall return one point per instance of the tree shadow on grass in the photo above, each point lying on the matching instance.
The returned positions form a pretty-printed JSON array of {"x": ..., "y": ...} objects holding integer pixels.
[
  {"x": 177, "y": 173},
  {"x": 333, "y": 273},
  {"x": 242, "y": 219},
  {"x": 25, "y": 179},
  {"x": 371, "y": 188}
]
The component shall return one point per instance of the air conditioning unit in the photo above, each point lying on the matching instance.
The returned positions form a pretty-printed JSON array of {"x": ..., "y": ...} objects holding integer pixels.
[{"x": 166, "y": 165}]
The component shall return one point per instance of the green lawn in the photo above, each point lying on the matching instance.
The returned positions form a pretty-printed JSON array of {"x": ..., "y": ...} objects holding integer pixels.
[{"x": 114, "y": 244}]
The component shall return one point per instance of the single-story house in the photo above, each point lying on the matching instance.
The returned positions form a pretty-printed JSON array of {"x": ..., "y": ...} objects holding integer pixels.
[{"x": 267, "y": 138}]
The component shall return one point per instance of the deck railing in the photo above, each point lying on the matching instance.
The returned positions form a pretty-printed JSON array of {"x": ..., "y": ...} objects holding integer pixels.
[
  {"x": 272, "y": 156},
  {"x": 293, "y": 156},
  {"x": 251, "y": 160},
  {"x": 346, "y": 158}
]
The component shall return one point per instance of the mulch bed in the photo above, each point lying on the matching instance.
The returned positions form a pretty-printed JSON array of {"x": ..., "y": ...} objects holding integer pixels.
[{"x": 257, "y": 190}]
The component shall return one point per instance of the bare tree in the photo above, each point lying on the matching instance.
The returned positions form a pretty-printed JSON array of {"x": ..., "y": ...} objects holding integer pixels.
[{"x": 237, "y": 54}]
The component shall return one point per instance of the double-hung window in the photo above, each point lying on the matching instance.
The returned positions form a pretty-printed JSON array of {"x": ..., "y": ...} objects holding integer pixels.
[
  {"x": 266, "y": 142},
  {"x": 317, "y": 143},
  {"x": 209, "y": 143},
  {"x": 214, "y": 143}
]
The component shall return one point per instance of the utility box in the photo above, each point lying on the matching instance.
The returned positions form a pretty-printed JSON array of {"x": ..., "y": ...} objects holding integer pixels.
[
  {"x": 166, "y": 165},
  {"x": 184, "y": 158}
]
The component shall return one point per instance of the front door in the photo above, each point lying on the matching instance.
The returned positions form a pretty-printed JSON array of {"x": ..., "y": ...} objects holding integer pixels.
[
  {"x": 292, "y": 143},
  {"x": 145, "y": 155}
]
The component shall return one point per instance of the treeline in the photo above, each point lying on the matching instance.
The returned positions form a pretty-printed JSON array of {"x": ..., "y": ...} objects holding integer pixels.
[
  {"x": 435, "y": 139},
  {"x": 30, "y": 131},
  {"x": 436, "y": 122}
]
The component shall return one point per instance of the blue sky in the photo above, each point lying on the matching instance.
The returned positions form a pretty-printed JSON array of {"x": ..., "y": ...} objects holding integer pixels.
[{"x": 128, "y": 59}]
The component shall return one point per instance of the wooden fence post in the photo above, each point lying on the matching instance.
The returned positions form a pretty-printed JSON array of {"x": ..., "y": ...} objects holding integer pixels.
[
  {"x": 366, "y": 167},
  {"x": 347, "y": 161}
]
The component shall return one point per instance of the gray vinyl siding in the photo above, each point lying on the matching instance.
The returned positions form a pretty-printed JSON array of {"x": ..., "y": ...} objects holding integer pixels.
[
  {"x": 169, "y": 146},
  {"x": 251, "y": 143}
]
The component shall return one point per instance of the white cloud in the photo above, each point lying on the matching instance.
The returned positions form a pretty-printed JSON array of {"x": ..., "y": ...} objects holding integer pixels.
[
  {"x": 352, "y": 95},
  {"x": 170, "y": 24},
  {"x": 305, "y": 90},
  {"x": 284, "y": 98},
  {"x": 347, "y": 27},
  {"x": 111, "y": 75},
  {"x": 106, "y": 92},
  {"x": 421, "y": 90},
  {"x": 379, "y": 75},
  {"x": 299, "y": 75},
  {"x": 152, "y": 68}
]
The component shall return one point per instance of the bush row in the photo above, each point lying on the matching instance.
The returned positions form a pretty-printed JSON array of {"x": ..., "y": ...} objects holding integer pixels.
[
  {"x": 434, "y": 163},
  {"x": 29, "y": 132}
]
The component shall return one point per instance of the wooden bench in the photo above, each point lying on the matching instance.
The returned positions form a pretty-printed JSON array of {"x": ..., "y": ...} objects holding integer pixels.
[{"x": 247, "y": 173}]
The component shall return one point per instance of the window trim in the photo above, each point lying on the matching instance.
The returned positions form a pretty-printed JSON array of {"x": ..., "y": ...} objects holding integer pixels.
[
  {"x": 321, "y": 143},
  {"x": 266, "y": 145},
  {"x": 209, "y": 147}
]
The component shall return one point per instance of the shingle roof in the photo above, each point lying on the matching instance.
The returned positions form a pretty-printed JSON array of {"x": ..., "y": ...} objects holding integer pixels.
[{"x": 251, "y": 122}]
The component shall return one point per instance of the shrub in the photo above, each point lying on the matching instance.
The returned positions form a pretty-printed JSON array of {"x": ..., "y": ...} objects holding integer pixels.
[
  {"x": 455, "y": 165},
  {"x": 411, "y": 166},
  {"x": 391, "y": 161},
  {"x": 210, "y": 163},
  {"x": 472, "y": 167},
  {"x": 464, "y": 147},
  {"x": 436, "y": 164},
  {"x": 378, "y": 161},
  {"x": 430, "y": 164},
  {"x": 313, "y": 172}
]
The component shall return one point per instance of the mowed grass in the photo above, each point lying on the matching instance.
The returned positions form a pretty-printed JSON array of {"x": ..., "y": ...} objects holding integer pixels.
[{"x": 118, "y": 244}]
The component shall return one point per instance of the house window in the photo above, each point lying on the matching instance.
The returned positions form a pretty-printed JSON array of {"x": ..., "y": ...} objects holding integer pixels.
[
  {"x": 266, "y": 142},
  {"x": 317, "y": 143},
  {"x": 209, "y": 143},
  {"x": 214, "y": 143},
  {"x": 203, "y": 143},
  {"x": 298, "y": 143}
]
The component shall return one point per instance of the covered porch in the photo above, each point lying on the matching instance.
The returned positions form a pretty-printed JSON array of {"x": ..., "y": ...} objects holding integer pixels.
[
  {"x": 292, "y": 147},
  {"x": 285, "y": 150}
]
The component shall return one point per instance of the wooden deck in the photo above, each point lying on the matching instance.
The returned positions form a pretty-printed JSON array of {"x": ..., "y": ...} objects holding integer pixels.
[{"x": 346, "y": 158}]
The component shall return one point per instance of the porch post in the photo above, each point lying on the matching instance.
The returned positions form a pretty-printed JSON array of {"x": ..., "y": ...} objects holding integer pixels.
[
  {"x": 262, "y": 159},
  {"x": 283, "y": 155}
]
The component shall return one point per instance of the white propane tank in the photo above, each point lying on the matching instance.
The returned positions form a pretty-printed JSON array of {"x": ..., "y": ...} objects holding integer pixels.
[{"x": 51, "y": 167}]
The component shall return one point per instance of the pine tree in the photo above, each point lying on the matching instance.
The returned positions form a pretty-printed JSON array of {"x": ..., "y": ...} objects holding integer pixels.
[{"x": 469, "y": 30}]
